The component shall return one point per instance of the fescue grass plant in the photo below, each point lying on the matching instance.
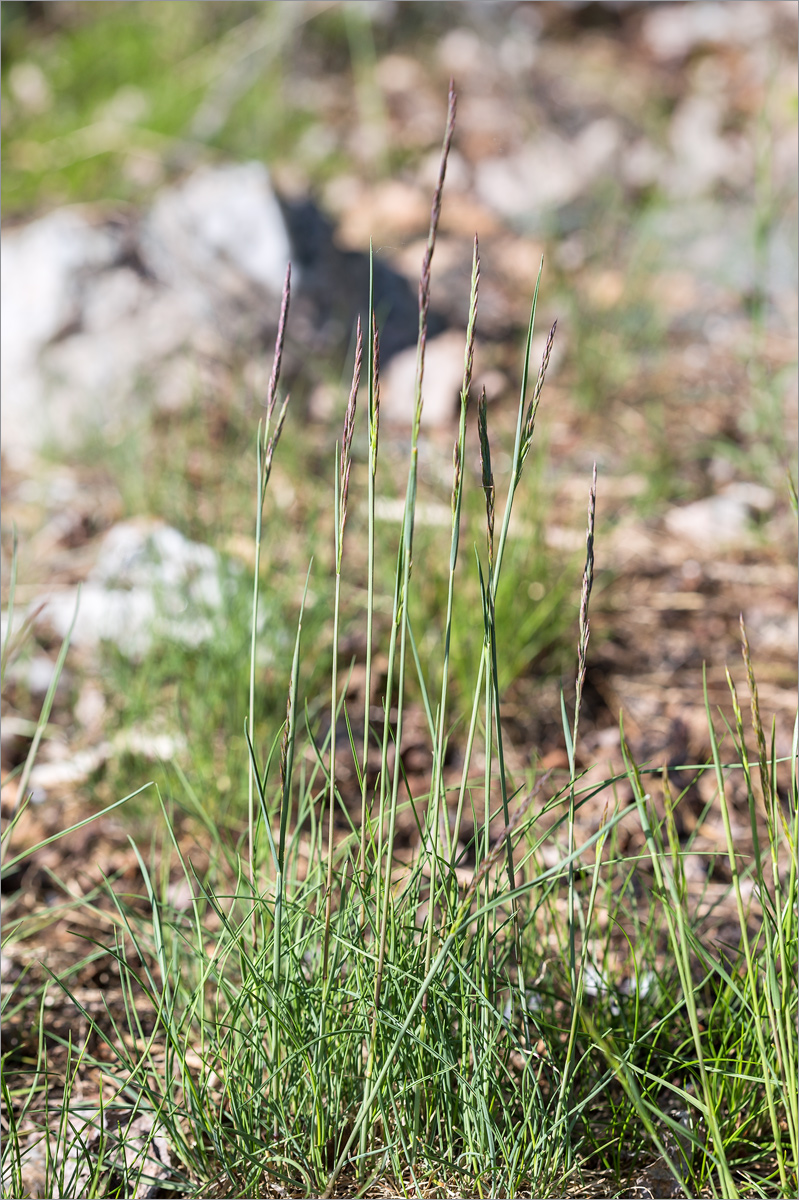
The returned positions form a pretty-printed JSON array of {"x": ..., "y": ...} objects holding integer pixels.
[{"x": 529, "y": 1012}]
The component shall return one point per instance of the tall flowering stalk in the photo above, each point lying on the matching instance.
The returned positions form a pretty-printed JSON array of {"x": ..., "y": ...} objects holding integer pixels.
[
  {"x": 525, "y": 428},
  {"x": 571, "y": 738},
  {"x": 341, "y": 490},
  {"x": 571, "y": 743},
  {"x": 437, "y": 795},
  {"x": 373, "y": 370},
  {"x": 493, "y": 722},
  {"x": 399, "y": 626},
  {"x": 268, "y": 438},
  {"x": 585, "y": 596},
  {"x": 343, "y": 465}
]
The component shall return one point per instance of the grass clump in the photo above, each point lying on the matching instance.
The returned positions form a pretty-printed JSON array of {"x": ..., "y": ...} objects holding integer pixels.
[{"x": 501, "y": 1009}]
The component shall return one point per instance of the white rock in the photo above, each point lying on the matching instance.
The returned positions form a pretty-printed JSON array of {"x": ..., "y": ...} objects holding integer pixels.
[
  {"x": 148, "y": 580},
  {"x": 145, "y": 553},
  {"x": 79, "y": 330},
  {"x": 702, "y": 155},
  {"x": 91, "y": 381},
  {"x": 722, "y": 519},
  {"x": 222, "y": 225},
  {"x": 85, "y": 337},
  {"x": 43, "y": 269},
  {"x": 48, "y": 776},
  {"x": 756, "y": 497},
  {"x": 461, "y": 51},
  {"x": 42, "y": 265},
  {"x": 642, "y": 164},
  {"x": 90, "y": 707},
  {"x": 443, "y": 376},
  {"x": 29, "y": 87},
  {"x": 114, "y": 296},
  {"x": 673, "y": 31},
  {"x": 125, "y": 618},
  {"x": 549, "y": 171}
]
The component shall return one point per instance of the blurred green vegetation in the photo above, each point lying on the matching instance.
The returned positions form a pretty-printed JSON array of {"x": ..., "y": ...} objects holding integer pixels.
[{"x": 97, "y": 97}]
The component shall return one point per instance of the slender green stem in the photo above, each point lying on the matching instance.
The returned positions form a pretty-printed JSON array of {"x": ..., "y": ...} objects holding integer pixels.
[
  {"x": 437, "y": 797},
  {"x": 373, "y": 369},
  {"x": 266, "y": 446},
  {"x": 404, "y": 559},
  {"x": 751, "y": 973}
]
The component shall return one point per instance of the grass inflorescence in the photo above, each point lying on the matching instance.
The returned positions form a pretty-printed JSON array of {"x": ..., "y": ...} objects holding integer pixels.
[{"x": 511, "y": 1011}]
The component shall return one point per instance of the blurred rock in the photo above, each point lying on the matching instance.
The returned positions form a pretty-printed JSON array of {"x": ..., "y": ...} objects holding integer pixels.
[
  {"x": 45, "y": 268},
  {"x": 29, "y": 87},
  {"x": 443, "y": 376},
  {"x": 127, "y": 1143},
  {"x": 549, "y": 172},
  {"x": 459, "y": 175},
  {"x": 461, "y": 51},
  {"x": 702, "y": 155},
  {"x": 103, "y": 316},
  {"x": 723, "y": 519},
  {"x": 147, "y": 581},
  {"x": 388, "y": 210},
  {"x": 80, "y": 327},
  {"x": 713, "y": 241},
  {"x": 671, "y": 32},
  {"x": 36, "y": 674},
  {"x": 67, "y": 772},
  {"x": 218, "y": 231},
  {"x": 642, "y": 164},
  {"x": 90, "y": 708}
]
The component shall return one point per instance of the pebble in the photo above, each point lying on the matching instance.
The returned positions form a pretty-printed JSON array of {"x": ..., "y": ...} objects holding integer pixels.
[
  {"x": 148, "y": 580},
  {"x": 720, "y": 520},
  {"x": 443, "y": 377}
]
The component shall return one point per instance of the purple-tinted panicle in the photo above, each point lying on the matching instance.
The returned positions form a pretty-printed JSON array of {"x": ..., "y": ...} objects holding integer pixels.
[
  {"x": 532, "y": 408},
  {"x": 585, "y": 596},
  {"x": 346, "y": 437},
  {"x": 487, "y": 473},
  {"x": 374, "y": 415},
  {"x": 271, "y": 393},
  {"x": 456, "y": 477},
  {"x": 468, "y": 361},
  {"x": 284, "y": 745},
  {"x": 274, "y": 439},
  {"x": 271, "y": 439},
  {"x": 424, "y": 279}
]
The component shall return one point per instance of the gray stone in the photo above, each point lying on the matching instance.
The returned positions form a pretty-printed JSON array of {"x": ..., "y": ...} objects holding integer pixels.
[
  {"x": 723, "y": 519},
  {"x": 86, "y": 336},
  {"x": 703, "y": 156},
  {"x": 219, "y": 231},
  {"x": 548, "y": 172},
  {"x": 148, "y": 581},
  {"x": 673, "y": 31},
  {"x": 443, "y": 376},
  {"x": 45, "y": 267}
]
